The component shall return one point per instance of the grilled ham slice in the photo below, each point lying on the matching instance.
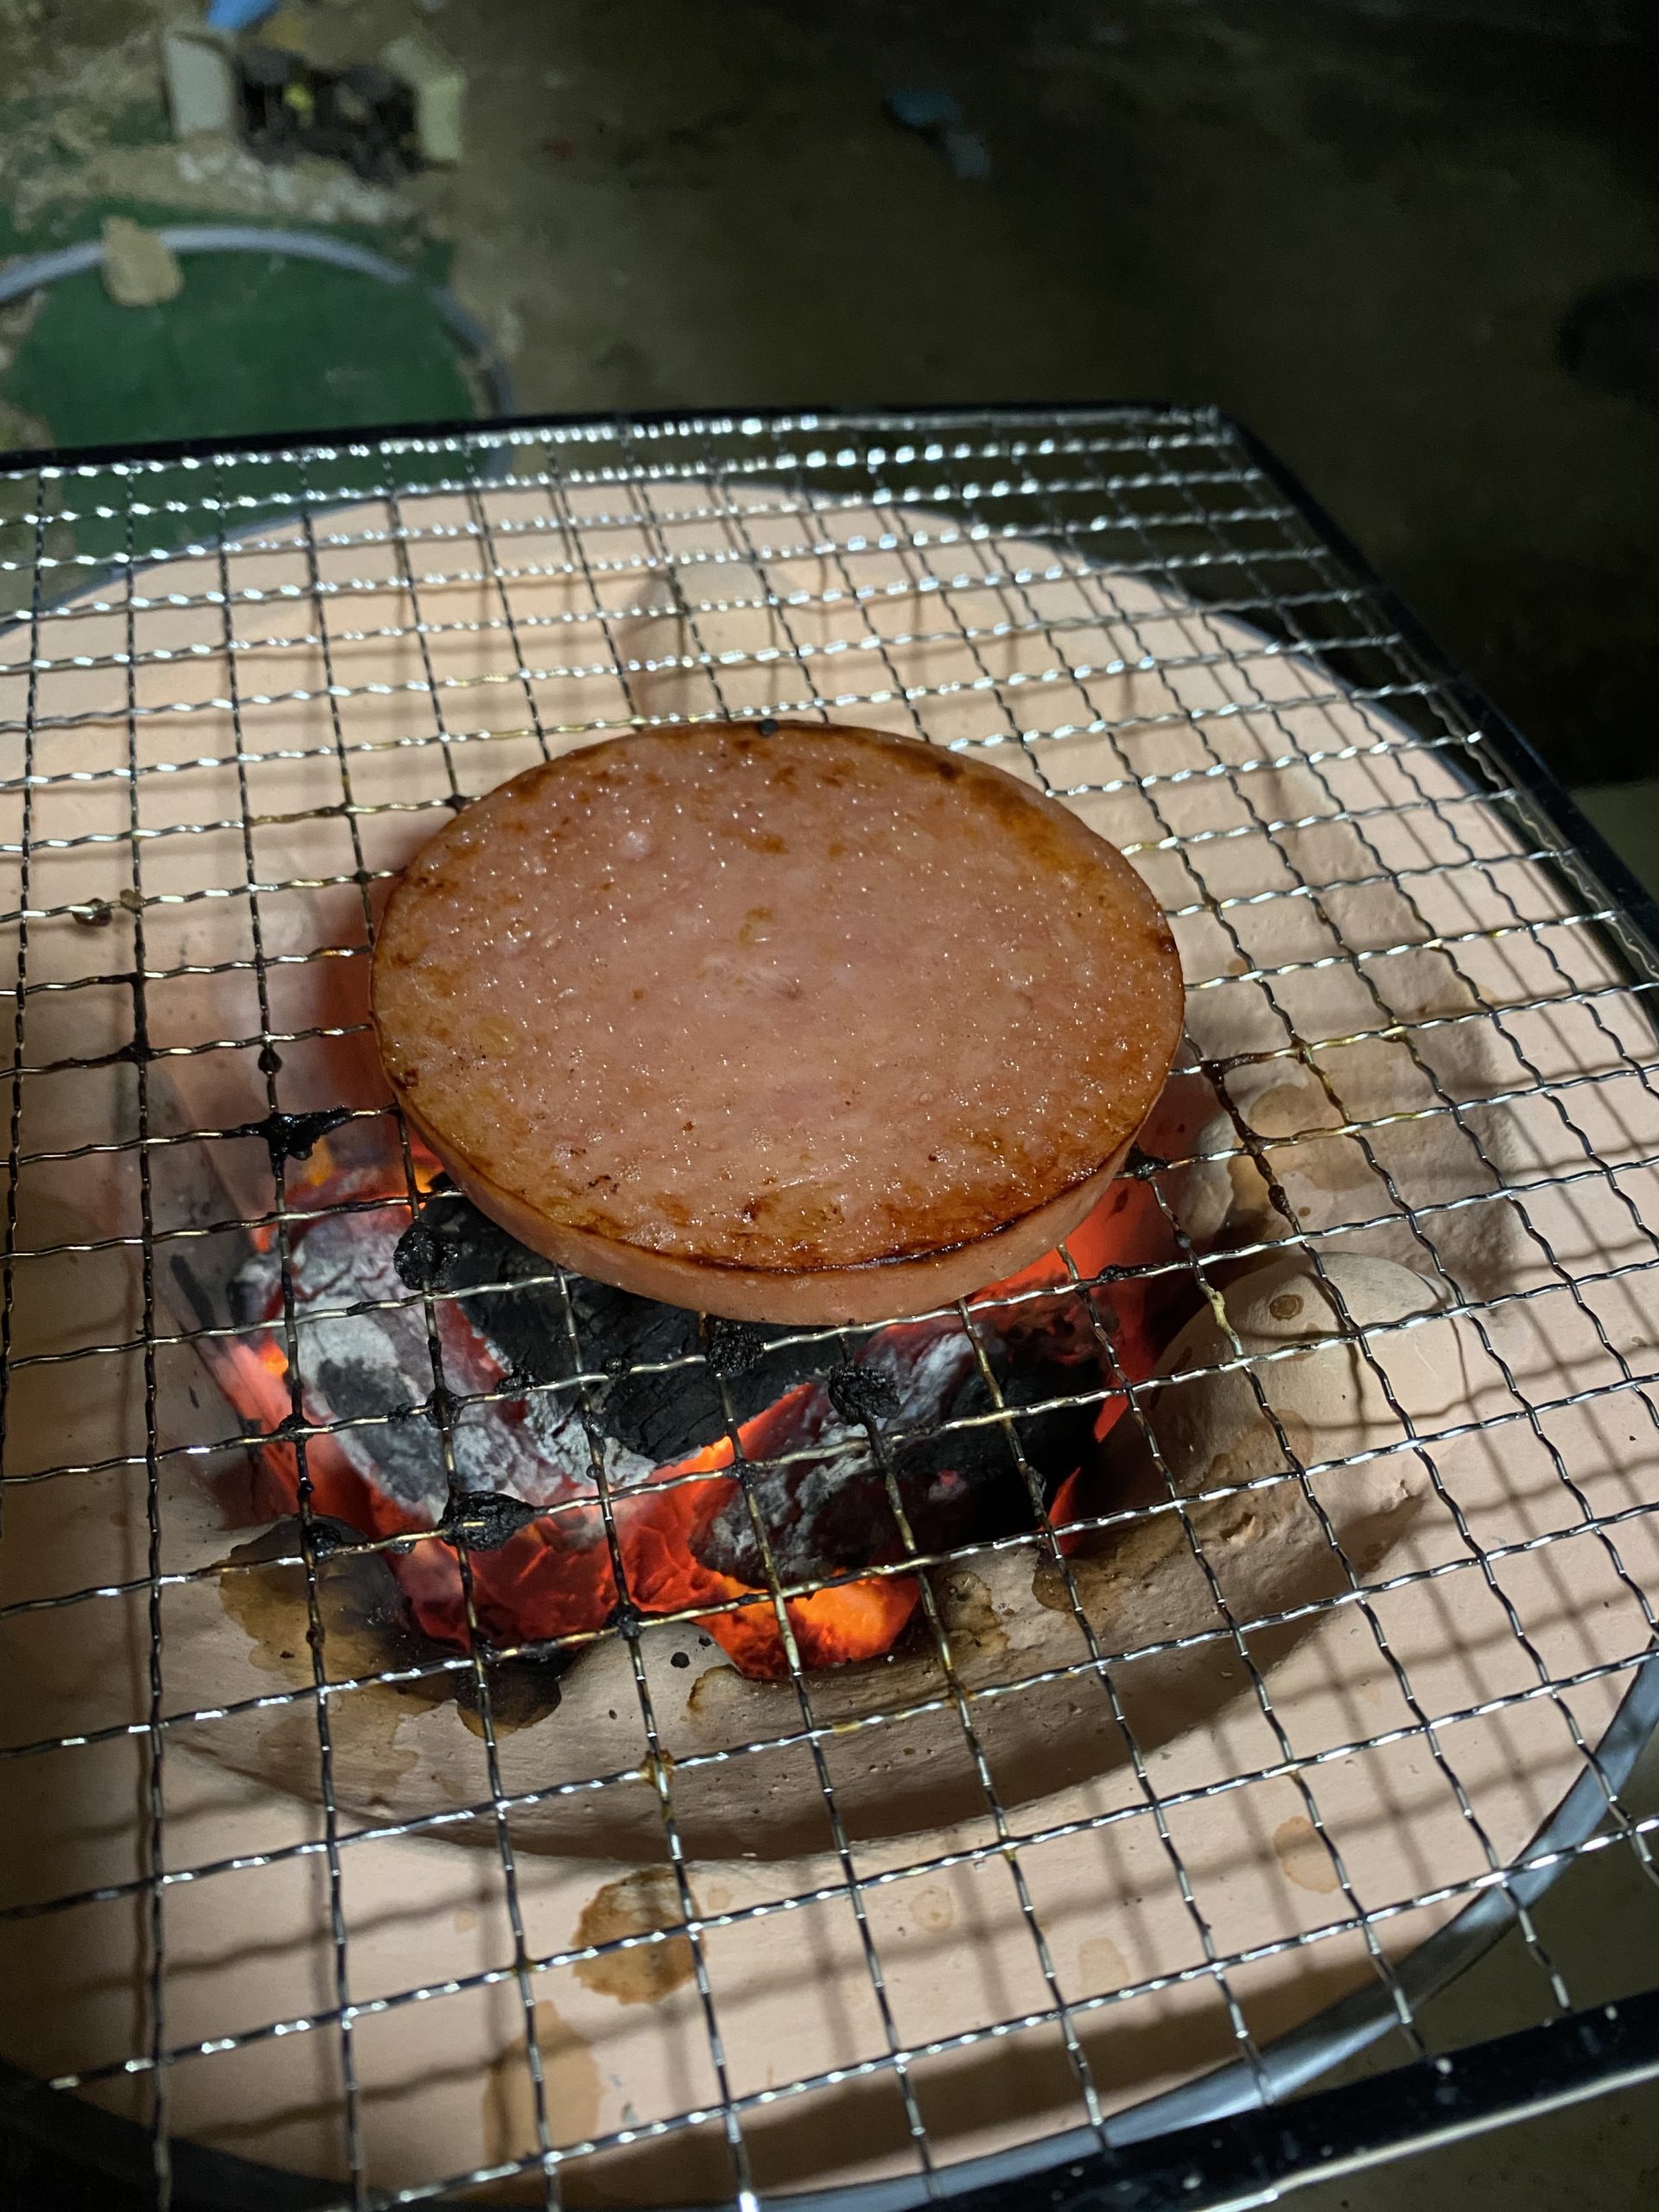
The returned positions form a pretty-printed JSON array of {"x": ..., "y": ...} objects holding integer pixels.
[{"x": 780, "y": 1021}]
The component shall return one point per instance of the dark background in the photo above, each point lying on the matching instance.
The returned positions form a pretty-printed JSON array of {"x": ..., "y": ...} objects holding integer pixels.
[{"x": 1363, "y": 226}]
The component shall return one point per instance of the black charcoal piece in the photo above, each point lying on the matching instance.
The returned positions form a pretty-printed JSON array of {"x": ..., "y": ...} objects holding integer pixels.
[
  {"x": 1053, "y": 1441},
  {"x": 659, "y": 1399},
  {"x": 956, "y": 1472}
]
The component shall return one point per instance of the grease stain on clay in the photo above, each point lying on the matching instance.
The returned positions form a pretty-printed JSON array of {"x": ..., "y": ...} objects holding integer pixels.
[
  {"x": 970, "y": 1616},
  {"x": 712, "y": 1689},
  {"x": 367, "y": 1631},
  {"x": 1306, "y": 1862},
  {"x": 360, "y": 1637},
  {"x": 1100, "y": 1966},
  {"x": 635, "y": 1904},
  {"x": 935, "y": 1910},
  {"x": 573, "y": 2088}
]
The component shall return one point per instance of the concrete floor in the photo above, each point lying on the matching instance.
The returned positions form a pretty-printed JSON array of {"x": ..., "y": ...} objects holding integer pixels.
[{"x": 1360, "y": 237}]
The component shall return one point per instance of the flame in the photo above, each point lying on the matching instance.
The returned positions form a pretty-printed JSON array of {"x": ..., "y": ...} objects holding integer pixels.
[{"x": 555, "y": 1577}]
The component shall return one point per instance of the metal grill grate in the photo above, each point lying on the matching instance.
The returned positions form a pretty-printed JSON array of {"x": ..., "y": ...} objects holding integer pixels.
[{"x": 715, "y": 1941}]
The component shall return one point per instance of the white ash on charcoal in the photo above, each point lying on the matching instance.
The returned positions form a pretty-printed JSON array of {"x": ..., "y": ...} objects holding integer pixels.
[
  {"x": 660, "y": 1399},
  {"x": 919, "y": 1388},
  {"x": 365, "y": 1363},
  {"x": 512, "y": 1349},
  {"x": 506, "y": 1343}
]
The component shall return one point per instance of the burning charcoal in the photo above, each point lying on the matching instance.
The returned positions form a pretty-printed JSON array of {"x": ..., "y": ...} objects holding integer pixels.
[
  {"x": 898, "y": 1445},
  {"x": 669, "y": 1415},
  {"x": 516, "y": 1299},
  {"x": 826, "y": 1513},
  {"x": 659, "y": 1402},
  {"x": 365, "y": 1363},
  {"x": 825, "y": 1516},
  {"x": 255, "y": 1292},
  {"x": 828, "y": 1508},
  {"x": 498, "y": 1418},
  {"x": 822, "y": 1517}
]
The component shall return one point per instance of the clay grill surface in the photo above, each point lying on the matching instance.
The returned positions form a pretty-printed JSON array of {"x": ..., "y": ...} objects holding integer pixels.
[
  {"x": 1156, "y": 1775},
  {"x": 783, "y": 1003}
]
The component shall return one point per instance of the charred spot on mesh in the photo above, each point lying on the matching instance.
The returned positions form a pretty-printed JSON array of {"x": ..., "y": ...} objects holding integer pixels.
[
  {"x": 443, "y": 1406},
  {"x": 420, "y": 1255},
  {"x": 862, "y": 1394},
  {"x": 328, "y": 1535},
  {"x": 485, "y": 1519},
  {"x": 295, "y": 1136},
  {"x": 731, "y": 1347},
  {"x": 286, "y": 1540}
]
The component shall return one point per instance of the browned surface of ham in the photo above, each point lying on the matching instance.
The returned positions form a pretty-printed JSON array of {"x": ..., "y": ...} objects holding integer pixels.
[{"x": 782, "y": 1002}]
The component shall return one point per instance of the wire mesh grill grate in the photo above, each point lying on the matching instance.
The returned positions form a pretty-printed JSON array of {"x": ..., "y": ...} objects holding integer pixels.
[{"x": 1155, "y": 1777}]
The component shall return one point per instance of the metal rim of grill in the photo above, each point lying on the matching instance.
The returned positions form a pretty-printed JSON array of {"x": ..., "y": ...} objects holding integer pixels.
[{"x": 1183, "y": 497}]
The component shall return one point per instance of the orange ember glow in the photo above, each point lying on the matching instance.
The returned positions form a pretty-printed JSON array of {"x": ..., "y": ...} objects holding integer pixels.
[
  {"x": 1127, "y": 1228},
  {"x": 661, "y": 1554},
  {"x": 554, "y": 1579}
]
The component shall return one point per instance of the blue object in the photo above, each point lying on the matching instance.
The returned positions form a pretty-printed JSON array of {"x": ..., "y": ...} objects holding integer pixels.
[
  {"x": 924, "y": 108},
  {"x": 239, "y": 14},
  {"x": 936, "y": 115},
  {"x": 969, "y": 155}
]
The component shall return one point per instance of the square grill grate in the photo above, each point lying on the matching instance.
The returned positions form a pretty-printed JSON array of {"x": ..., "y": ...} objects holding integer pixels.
[{"x": 1136, "y": 1835}]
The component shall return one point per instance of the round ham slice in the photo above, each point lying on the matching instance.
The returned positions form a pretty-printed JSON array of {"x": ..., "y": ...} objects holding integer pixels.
[{"x": 777, "y": 1021}]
